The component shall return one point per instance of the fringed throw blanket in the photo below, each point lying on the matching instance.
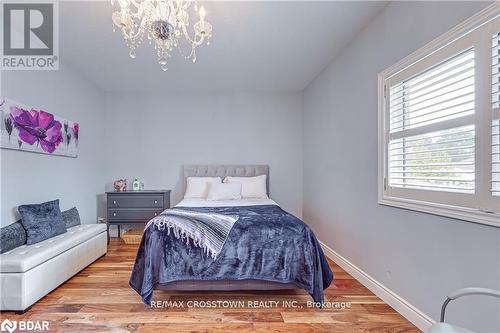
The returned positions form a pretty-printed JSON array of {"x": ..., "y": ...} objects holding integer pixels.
[{"x": 207, "y": 231}]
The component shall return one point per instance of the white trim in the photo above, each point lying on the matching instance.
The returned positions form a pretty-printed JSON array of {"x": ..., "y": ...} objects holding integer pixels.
[
  {"x": 459, "y": 213},
  {"x": 403, "y": 307},
  {"x": 452, "y": 123}
]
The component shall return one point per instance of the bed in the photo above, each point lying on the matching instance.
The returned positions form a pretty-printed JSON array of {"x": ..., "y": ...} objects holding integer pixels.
[{"x": 266, "y": 249}]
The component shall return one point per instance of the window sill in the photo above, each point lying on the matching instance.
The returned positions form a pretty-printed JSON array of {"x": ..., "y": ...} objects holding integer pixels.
[{"x": 470, "y": 215}]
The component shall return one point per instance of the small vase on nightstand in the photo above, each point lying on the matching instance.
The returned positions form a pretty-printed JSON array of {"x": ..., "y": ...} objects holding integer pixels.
[{"x": 136, "y": 185}]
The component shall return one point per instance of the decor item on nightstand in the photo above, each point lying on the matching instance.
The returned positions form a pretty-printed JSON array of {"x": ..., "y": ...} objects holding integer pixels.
[
  {"x": 136, "y": 185},
  {"x": 29, "y": 129},
  {"x": 120, "y": 185},
  {"x": 134, "y": 207}
]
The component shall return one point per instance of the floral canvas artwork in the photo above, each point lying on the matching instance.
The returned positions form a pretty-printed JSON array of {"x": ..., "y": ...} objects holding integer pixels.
[{"x": 36, "y": 130}]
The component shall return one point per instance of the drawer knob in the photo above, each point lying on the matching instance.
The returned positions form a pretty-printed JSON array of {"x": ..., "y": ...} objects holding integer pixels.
[
  {"x": 156, "y": 201},
  {"x": 114, "y": 214},
  {"x": 114, "y": 202}
]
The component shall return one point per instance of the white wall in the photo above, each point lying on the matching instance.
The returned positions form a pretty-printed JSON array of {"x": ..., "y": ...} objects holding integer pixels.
[
  {"x": 419, "y": 256},
  {"x": 151, "y": 137},
  {"x": 33, "y": 178}
]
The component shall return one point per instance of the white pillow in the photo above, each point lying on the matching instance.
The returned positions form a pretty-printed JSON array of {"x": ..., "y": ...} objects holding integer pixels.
[
  {"x": 197, "y": 187},
  {"x": 224, "y": 191},
  {"x": 251, "y": 187}
]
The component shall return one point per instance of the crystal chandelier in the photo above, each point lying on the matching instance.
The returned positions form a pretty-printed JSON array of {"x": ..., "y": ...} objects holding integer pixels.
[{"x": 164, "y": 22}]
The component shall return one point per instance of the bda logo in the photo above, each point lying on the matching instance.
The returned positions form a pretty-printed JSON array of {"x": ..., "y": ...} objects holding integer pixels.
[
  {"x": 8, "y": 325},
  {"x": 24, "y": 325}
]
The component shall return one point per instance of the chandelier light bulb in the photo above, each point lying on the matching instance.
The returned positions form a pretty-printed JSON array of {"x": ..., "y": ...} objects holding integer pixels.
[
  {"x": 202, "y": 13},
  {"x": 123, "y": 3}
]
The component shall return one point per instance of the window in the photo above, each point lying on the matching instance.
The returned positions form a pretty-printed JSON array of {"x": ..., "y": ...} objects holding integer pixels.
[
  {"x": 439, "y": 125},
  {"x": 431, "y": 140}
]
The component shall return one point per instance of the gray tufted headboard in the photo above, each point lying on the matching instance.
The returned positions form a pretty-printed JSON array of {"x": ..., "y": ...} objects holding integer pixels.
[{"x": 225, "y": 170}]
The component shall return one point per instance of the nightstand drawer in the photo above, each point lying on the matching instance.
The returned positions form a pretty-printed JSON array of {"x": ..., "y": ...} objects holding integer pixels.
[
  {"x": 135, "y": 200},
  {"x": 136, "y": 214}
]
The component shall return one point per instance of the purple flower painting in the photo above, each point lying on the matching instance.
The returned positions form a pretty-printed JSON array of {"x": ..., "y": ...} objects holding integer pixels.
[
  {"x": 37, "y": 126},
  {"x": 36, "y": 130}
]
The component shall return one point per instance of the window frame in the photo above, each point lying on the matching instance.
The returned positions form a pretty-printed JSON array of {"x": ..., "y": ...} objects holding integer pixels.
[{"x": 467, "y": 207}]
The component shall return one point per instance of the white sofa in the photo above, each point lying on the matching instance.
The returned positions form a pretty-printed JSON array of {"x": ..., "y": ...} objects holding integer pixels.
[{"x": 29, "y": 272}]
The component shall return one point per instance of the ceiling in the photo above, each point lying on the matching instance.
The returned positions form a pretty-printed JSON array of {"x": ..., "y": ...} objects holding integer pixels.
[{"x": 256, "y": 46}]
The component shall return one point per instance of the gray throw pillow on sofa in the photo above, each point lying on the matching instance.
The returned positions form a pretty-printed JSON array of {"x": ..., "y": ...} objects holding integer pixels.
[
  {"x": 12, "y": 236},
  {"x": 42, "y": 221},
  {"x": 71, "y": 217}
]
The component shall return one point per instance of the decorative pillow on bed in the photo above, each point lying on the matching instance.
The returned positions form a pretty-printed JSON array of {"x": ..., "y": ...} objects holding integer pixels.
[
  {"x": 197, "y": 187},
  {"x": 41, "y": 221},
  {"x": 224, "y": 191},
  {"x": 251, "y": 187}
]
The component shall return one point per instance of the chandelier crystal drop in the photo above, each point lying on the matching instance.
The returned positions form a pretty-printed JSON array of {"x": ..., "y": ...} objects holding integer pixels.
[{"x": 165, "y": 23}]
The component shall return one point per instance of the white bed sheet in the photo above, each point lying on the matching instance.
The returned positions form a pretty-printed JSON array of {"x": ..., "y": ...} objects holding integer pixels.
[{"x": 224, "y": 203}]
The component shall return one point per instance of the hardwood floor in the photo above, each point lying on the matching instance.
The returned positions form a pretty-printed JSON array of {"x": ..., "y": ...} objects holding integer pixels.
[{"x": 99, "y": 299}]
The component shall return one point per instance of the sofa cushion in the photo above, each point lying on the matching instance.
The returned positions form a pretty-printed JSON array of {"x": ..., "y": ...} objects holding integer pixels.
[
  {"x": 25, "y": 257},
  {"x": 71, "y": 217},
  {"x": 12, "y": 236},
  {"x": 41, "y": 221}
]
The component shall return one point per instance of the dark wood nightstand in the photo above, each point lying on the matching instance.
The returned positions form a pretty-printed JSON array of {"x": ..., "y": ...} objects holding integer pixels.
[{"x": 131, "y": 207}]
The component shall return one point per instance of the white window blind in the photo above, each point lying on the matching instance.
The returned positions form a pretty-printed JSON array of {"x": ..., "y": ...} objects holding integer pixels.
[
  {"x": 427, "y": 149},
  {"x": 439, "y": 124},
  {"x": 495, "y": 129}
]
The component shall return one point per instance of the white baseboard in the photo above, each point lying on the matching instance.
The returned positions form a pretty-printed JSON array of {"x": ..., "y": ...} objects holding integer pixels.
[{"x": 414, "y": 315}]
